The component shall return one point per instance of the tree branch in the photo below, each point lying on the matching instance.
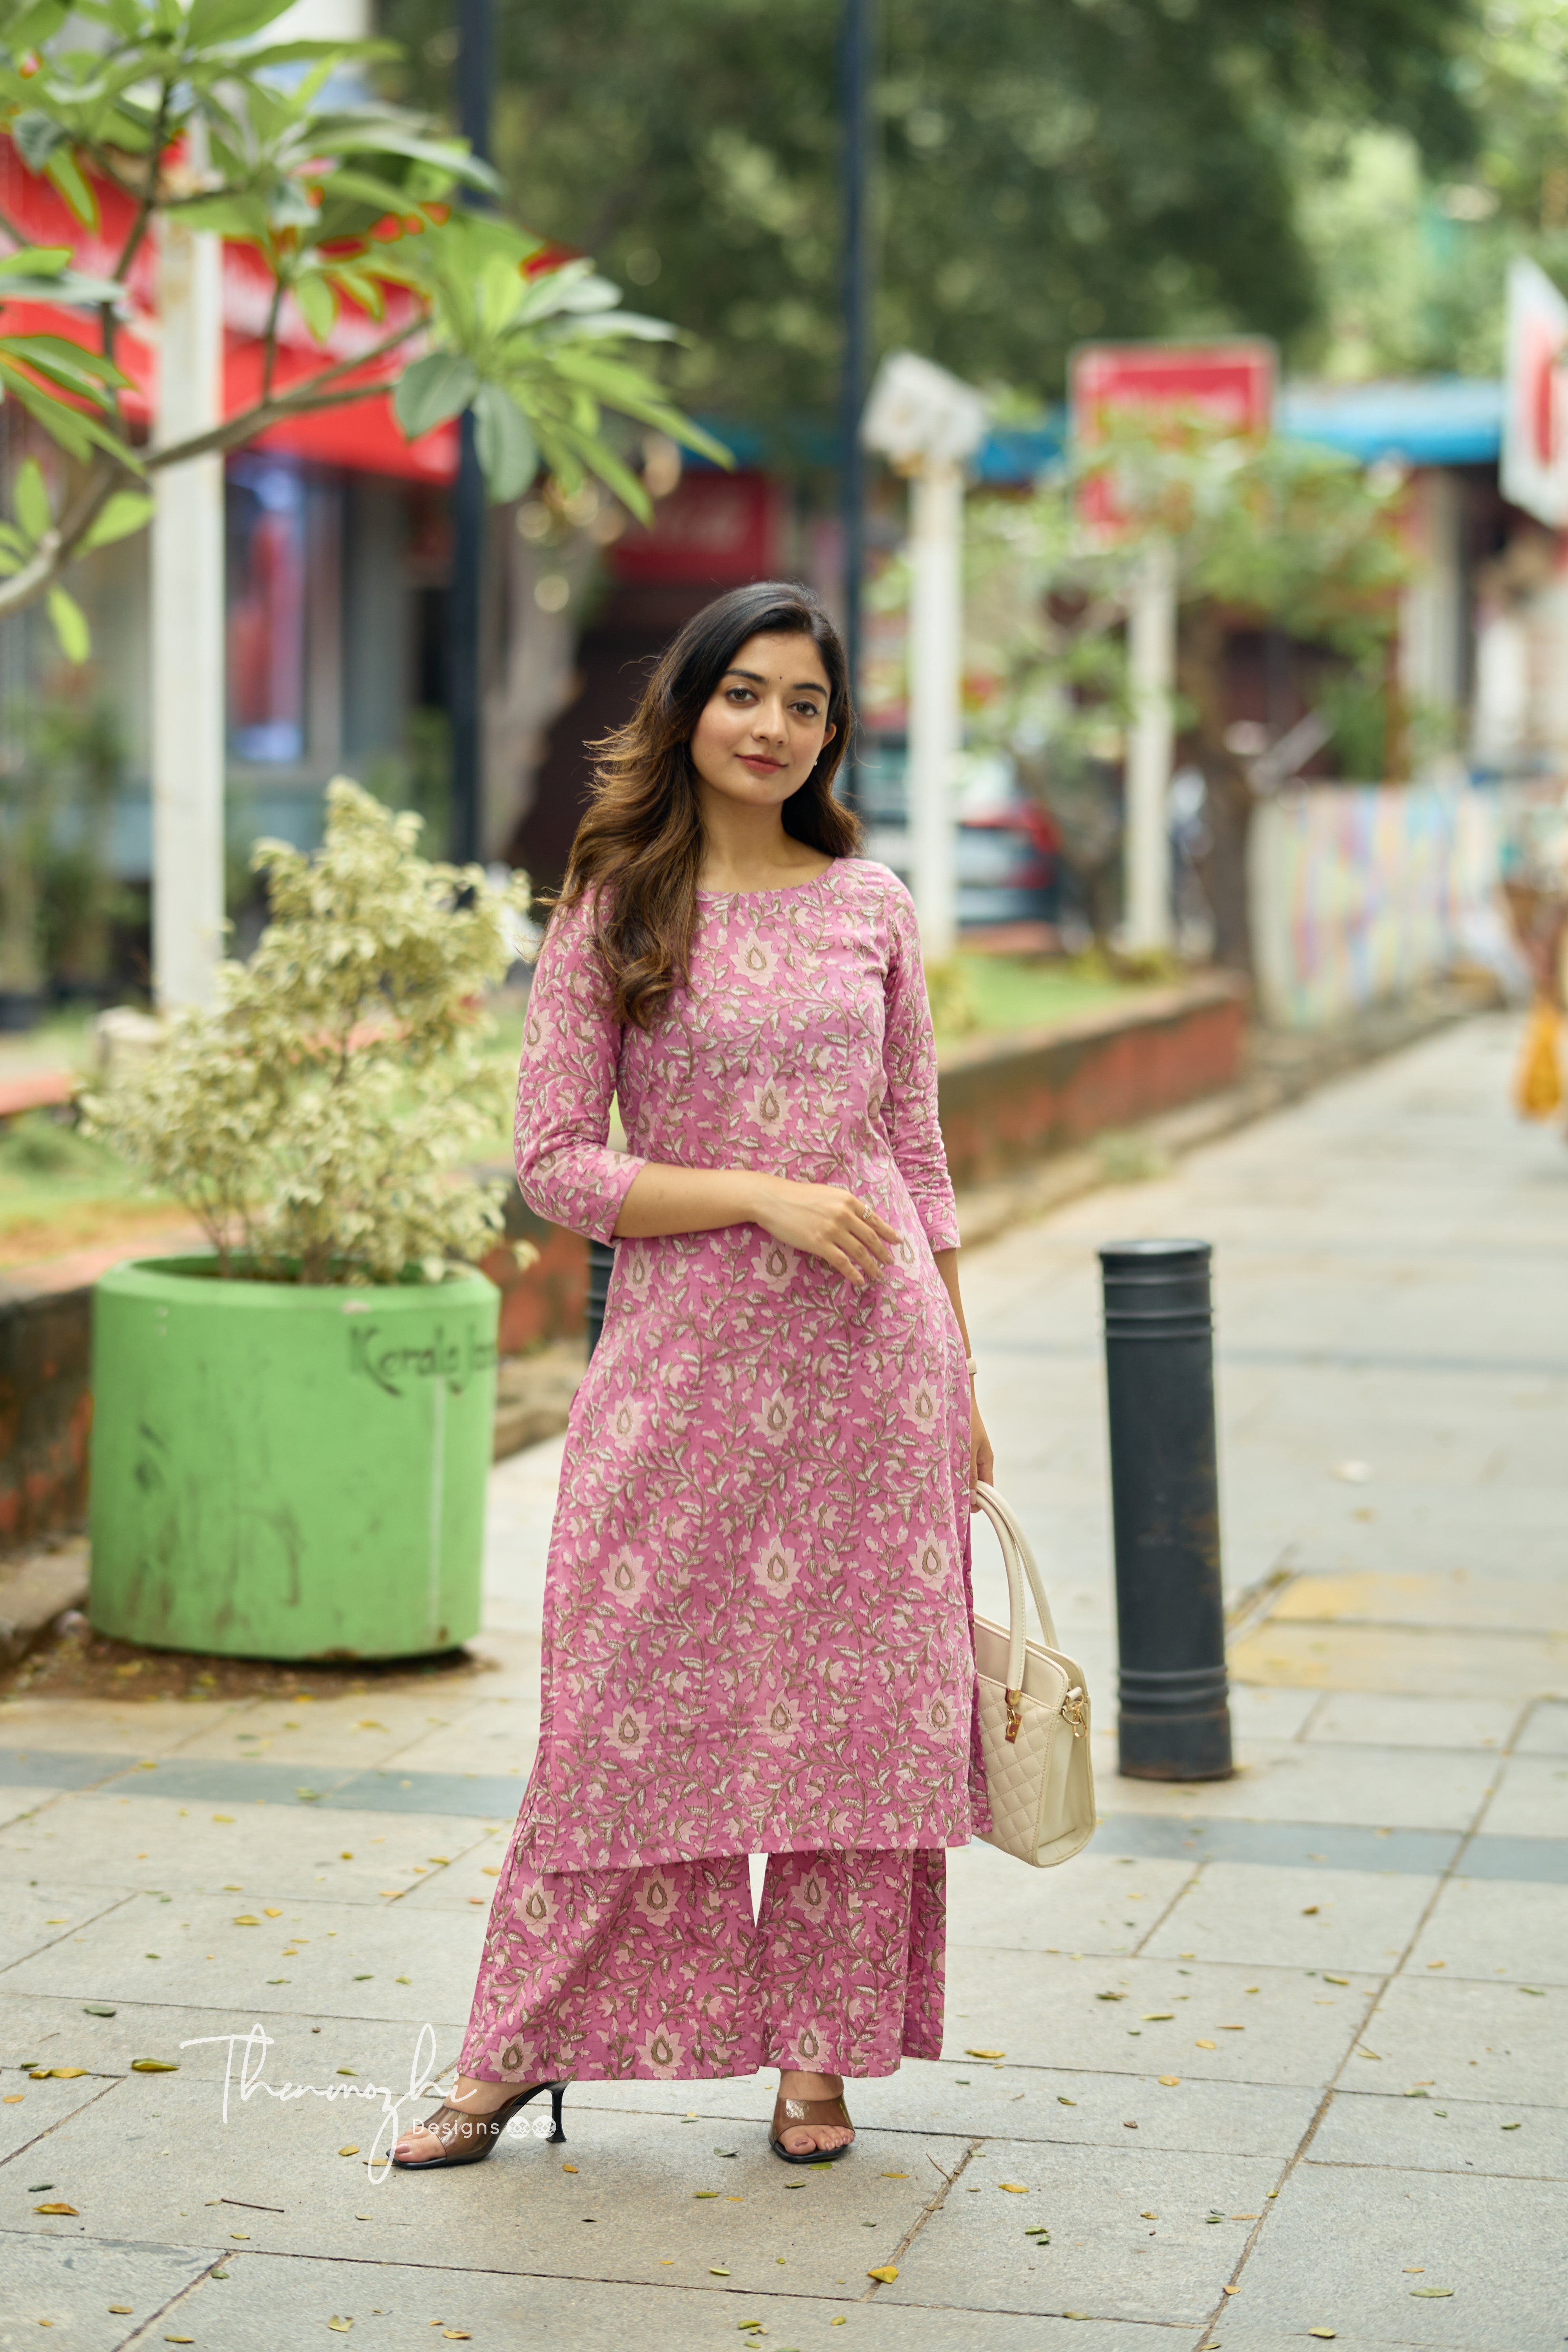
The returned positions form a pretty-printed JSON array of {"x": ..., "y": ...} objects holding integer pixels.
[
  {"x": 60, "y": 542},
  {"x": 237, "y": 430},
  {"x": 148, "y": 195}
]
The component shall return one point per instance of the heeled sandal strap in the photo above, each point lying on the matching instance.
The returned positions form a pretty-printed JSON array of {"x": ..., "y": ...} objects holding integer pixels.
[{"x": 789, "y": 2113}]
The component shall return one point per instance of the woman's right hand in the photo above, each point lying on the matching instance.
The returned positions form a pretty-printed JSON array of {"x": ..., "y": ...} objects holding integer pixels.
[{"x": 828, "y": 1223}]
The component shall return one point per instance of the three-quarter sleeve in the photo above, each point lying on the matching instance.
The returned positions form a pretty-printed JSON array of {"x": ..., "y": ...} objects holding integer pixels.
[
  {"x": 566, "y": 1084},
  {"x": 909, "y": 1059}
]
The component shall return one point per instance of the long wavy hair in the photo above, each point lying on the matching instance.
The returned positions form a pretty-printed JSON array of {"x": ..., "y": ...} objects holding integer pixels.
[{"x": 638, "y": 849}]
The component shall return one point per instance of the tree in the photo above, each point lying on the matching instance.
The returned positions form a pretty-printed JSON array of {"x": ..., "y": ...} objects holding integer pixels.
[
  {"x": 1048, "y": 169},
  {"x": 179, "y": 106},
  {"x": 1270, "y": 530}
]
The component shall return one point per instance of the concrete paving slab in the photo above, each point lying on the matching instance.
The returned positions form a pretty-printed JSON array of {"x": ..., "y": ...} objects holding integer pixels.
[
  {"x": 1531, "y": 1799},
  {"x": 1428, "y": 2134},
  {"x": 1102, "y": 1903},
  {"x": 1291, "y": 1846},
  {"x": 1267, "y": 1714},
  {"x": 361, "y": 1728},
  {"x": 47, "y": 2284},
  {"x": 155, "y": 1726},
  {"x": 1467, "y": 1665},
  {"x": 1332, "y": 2256},
  {"x": 1045, "y": 2011},
  {"x": 268, "y": 2299},
  {"x": 1385, "y": 1597},
  {"x": 197, "y": 2043},
  {"x": 1546, "y": 1731},
  {"x": 31, "y": 2111},
  {"x": 1477, "y": 2041},
  {"x": 41, "y": 1913},
  {"x": 1462, "y": 1934},
  {"x": 347, "y": 1959},
  {"x": 1409, "y": 1720},
  {"x": 1105, "y": 2258},
  {"x": 1059, "y": 2109},
  {"x": 1318, "y": 1918},
  {"x": 494, "y": 1736},
  {"x": 157, "y": 1845},
  {"x": 1300, "y": 1781}
]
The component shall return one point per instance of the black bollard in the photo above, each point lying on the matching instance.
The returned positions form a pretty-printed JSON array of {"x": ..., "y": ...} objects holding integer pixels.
[
  {"x": 1175, "y": 1719},
  {"x": 601, "y": 1265}
]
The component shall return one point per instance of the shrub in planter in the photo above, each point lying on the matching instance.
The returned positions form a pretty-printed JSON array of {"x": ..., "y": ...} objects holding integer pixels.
[{"x": 291, "y": 1437}]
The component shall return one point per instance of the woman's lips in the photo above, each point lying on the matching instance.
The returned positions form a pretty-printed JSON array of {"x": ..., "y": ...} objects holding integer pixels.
[{"x": 761, "y": 767}]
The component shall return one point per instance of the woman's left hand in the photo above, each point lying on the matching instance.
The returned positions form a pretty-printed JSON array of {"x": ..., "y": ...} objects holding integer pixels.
[{"x": 982, "y": 1460}]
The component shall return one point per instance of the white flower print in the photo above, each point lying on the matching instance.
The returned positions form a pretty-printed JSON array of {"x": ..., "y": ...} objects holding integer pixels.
[
  {"x": 774, "y": 1265},
  {"x": 534, "y": 1906},
  {"x": 628, "y": 1729},
  {"x": 638, "y": 1270},
  {"x": 809, "y": 1897},
  {"x": 662, "y": 2051},
  {"x": 767, "y": 1106},
  {"x": 922, "y": 1406},
  {"x": 628, "y": 1576},
  {"x": 757, "y": 962},
  {"x": 655, "y": 1897},
  {"x": 775, "y": 1568},
  {"x": 623, "y": 1421},
  {"x": 933, "y": 1560},
  {"x": 778, "y": 1720},
  {"x": 939, "y": 1715},
  {"x": 775, "y": 1417}
]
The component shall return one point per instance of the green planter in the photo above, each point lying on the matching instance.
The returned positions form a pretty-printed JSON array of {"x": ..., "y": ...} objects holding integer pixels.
[{"x": 284, "y": 1472}]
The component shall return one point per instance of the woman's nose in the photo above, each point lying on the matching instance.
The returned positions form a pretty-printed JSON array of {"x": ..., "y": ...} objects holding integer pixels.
[{"x": 768, "y": 721}]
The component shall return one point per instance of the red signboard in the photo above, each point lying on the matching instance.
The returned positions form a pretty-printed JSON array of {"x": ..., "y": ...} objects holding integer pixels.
[
  {"x": 1228, "y": 385},
  {"x": 712, "y": 531}
]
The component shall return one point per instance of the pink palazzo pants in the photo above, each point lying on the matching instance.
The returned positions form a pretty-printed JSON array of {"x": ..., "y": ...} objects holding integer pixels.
[{"x": 658, "y": 1972}]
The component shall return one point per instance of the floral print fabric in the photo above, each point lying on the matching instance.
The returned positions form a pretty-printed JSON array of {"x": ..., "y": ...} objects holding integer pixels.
[
  {"x": 757, "y": 1613},
  {"x": 659, "y": 1973}
]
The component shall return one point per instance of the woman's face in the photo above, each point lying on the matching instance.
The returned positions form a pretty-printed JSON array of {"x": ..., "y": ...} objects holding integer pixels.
[{"x": 764, "y": 724}]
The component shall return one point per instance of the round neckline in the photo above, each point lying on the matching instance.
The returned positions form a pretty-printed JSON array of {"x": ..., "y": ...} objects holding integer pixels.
[{"x": 778, "y": 890}]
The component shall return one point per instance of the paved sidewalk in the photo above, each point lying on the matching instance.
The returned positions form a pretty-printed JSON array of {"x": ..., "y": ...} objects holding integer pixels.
[{"x": 1346, "y": 1970}]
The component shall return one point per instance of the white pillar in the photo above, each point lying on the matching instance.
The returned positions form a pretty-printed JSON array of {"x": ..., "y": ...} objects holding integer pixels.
[
  {"x": 188, "y": 626},
  {"x": 1152, "y": 663},
  {"x": 935, "y": 654}
]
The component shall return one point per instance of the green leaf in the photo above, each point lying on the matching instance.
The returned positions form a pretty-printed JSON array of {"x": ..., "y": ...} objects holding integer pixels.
[
  {"x": 64, "y": 173},
  {"x": 37, "y": 135},
  {"x": 35, "y": 261},
  {"x": 318, "y": 305},
  {"x": 438, "y": 386},
  {"x": 213, "y": 21},
  {"x": 127, "y": 511},
  {"x": 70, "y": 625},
  {"x": 31, "y": 499},
  {"x": 508, "y": 456}
]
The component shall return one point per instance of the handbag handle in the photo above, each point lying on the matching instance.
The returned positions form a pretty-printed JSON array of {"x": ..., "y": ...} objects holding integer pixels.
[{"x": 1018, "y": 1561}]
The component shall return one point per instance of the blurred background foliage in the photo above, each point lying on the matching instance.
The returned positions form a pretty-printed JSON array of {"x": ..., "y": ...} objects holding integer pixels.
[{"x": 1090, "y": 167}]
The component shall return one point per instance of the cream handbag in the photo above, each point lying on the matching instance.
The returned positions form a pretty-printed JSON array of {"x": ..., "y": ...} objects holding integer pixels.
[{"x": 1034, "y": 1719}]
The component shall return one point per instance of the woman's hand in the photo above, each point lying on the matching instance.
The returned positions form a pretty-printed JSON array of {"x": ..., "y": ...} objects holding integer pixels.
[
  {"x": 982, "y": 1460},
  {"x": 828, "y": 1223}
]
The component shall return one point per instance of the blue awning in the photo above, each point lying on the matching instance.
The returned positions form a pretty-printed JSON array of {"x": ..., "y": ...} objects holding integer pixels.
[{"x": 1441, "y": 421}]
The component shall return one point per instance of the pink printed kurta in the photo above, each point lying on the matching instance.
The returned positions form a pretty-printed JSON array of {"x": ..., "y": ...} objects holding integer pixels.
[{"x": 756, "y": 1616}]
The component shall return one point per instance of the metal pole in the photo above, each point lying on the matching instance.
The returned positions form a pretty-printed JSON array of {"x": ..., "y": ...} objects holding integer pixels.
[
  {"x": 476, "y": 76},
  {"x": 935, "y": 652},
  {"x": 856, "y": 74},
  {"x": 1152, "y": 661},
  {"x": 187, "y": 599},
  {"x": 1174, "y": 1722}
]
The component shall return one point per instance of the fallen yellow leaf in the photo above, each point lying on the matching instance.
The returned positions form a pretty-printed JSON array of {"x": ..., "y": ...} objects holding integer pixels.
[
  {"x": 1204, "y": 2045},
  {"x": 887, "y": 2274},
  {"x": 1170, "y": 2080},
  {"x": 342, "y": 2326},
  {"x": 272, "y": 1914},
  {"x": 985, "y": 2053},
  {"x": 1233, "y": 2290},
  {"x": 839, "y": 2322},
  {"x": 154, "y": 2066},
  {"x": 1327, "y": 2333},
  {"x": 895, "y": 2176},
  {"x": 1014, "y": 2188},
  {"x": 1158, "y": 2016},
  {"x": 121, "y": 2307},
  {"x": 492, "y": 1870},
  {"x": 572, "y": 2168},
  {"x": 56, "y": 2208},
  {"x": 1329, "y": 1979},
  {"x": 350, "y": 2151},
  {"x": 248, "y": 1920},
  {"x": 13, "y": 2098},
  {"x": 223, "y": 1817},
  {"x": 65, "y": 2074},
  {"x": 455, "y": 2335}
]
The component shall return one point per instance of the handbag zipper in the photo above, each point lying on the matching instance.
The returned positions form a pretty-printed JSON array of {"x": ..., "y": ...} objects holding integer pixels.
[{"x": 1074, "y": 1707}]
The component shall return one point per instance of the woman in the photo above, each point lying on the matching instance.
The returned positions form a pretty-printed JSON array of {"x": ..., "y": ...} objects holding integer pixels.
[{"x": 757, "y": 1606}]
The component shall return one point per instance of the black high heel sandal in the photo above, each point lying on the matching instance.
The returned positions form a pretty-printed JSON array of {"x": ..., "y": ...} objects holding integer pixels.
[{"x": 469, "y": 2139}]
